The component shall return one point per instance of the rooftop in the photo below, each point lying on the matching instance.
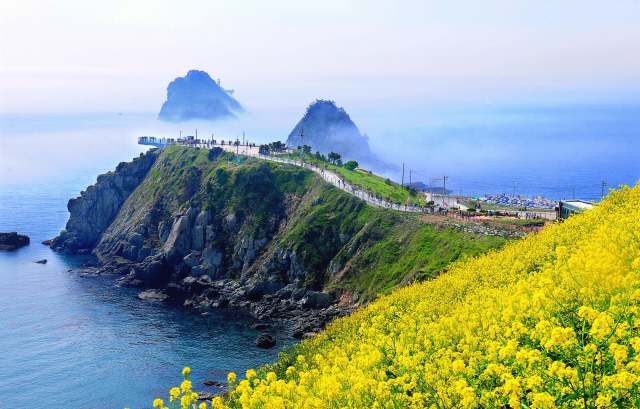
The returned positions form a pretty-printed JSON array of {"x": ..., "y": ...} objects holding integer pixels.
[{"x": 578, "y": 203}]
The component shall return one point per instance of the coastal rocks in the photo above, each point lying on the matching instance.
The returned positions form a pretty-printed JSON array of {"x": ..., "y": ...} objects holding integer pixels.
[
  {"x": 12, "y": 241},
  {"x": 215, "y": 383},
  {"x": 212, "y": 257},
  {"x": 153, "y": 270},
  {"x": 314, "y": 299},
  {"x": 210, "y": 235},
  {"x": 153, "y": 295},
  {"x": 96, "y": 208},
  {"x": 265, "y": 341},
  {"x": 178, "y": 241},
  {"x": 231, "y": 221},
  {"x": 285, "y": 262},
  {"x": 286, "y": 291},
  {"x": 186, "y": 236},
  {"x": 199, "y": 230},
  {"x": 43, "y": 261},
  {"x": 245, "y": 252}
]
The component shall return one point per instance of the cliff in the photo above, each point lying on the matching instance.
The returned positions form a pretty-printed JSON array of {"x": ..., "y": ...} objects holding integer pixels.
[
  {"x": 94, "y": 210},
  {"x": 197, "y": 96},
  {"x": 273, "y": 238},
  {"x": 327, "y": 128}
]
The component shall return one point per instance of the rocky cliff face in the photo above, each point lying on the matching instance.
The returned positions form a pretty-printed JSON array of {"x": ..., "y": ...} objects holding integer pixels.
[
  {"x": 95, "y": 209},
  {"x": 197, "y": 96},
  {"x": 261, "y": 236}
]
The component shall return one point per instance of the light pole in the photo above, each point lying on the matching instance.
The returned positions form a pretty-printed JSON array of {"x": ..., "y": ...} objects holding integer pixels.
[
  {"x": 514, "y": 189},
  {"x": 433, "y": 182}
]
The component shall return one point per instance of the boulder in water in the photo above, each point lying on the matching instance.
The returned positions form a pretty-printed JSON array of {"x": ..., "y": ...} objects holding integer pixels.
[
  {"x": 12, "y": 241},
  {"x": 265, "y": 341}
]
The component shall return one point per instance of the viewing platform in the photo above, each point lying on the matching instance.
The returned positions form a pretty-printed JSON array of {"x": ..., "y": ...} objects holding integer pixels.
[{"x": 157, "y": 142}]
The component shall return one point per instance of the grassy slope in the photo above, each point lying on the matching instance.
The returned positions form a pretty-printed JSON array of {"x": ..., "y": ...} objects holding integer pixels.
[
  {"x": 550, "y": 321},
  {"x": 372, "y": 183},
  {"x": 297, "y": 210}
]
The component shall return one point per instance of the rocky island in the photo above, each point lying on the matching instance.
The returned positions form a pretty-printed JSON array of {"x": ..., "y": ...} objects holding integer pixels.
[
  {"x": 327, "y": 128},
  {"x": 197, "y": 96},
  {"x": 274, "y": 240},
  {"x": 12, "y": 241}
]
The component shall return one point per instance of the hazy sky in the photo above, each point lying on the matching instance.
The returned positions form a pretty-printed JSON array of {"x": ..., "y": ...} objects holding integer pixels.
[{"x": 94, "y": 56}]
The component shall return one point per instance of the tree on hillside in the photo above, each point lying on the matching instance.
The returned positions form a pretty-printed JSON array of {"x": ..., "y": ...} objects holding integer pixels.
[
  {"x": 306, "y": 149},
  {"x": 351, "y": 165},
  {"x": 335, "y": 158},
  {"x": 277, "y": 146}
]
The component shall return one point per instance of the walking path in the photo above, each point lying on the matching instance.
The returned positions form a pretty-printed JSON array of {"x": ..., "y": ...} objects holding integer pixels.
[{"x": 356, "y": 191}]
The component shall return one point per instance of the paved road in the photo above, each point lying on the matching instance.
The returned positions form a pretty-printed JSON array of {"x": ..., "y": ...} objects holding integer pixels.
[{"x": 337, "y": 181}]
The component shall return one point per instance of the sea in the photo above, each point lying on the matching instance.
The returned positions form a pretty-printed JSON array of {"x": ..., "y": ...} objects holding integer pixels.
[{"x": 82, "y": 342}]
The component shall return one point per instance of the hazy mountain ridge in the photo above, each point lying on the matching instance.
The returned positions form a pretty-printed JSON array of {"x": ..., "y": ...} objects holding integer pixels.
[{"x": 197, "y": 96}]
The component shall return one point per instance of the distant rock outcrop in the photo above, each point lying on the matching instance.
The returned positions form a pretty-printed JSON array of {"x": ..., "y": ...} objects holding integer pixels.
[
  {"x": 329, "y": 128},
  {"x": 197, "y": 96},
  {"x": 12, "y": 241}
]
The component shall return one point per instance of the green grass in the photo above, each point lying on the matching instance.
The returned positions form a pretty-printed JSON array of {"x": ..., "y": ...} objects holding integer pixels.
[
  {"x": 297, "y": 210},
  {"x": 372, "y": 183}
]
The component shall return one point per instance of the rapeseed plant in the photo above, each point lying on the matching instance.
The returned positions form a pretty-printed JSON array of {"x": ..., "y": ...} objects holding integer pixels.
[{"x": 549, "y": 321}]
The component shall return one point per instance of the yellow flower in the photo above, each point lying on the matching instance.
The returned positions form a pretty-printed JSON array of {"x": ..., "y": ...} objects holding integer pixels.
[
  {"x": 185, "y": 386},
  {"x": 186, "y": 371},
  {"x": 231, "y": 378},
  {"x": 158, "y": 403}
]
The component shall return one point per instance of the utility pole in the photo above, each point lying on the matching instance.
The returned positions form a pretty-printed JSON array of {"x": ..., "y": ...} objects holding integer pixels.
[
  {"x": 603, "y": 185},
  {"x": 514, "y": 189},
  {"x": 302, "y": 142},
  {"x": 444, "y": 183},
  {"x": 409, "y": 178},
  {"x": 574, "y": 193},
  {"x": 402, "y": 183}
]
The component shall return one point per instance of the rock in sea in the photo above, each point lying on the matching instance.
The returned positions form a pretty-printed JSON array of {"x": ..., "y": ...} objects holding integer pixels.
[
  {"x": 43, "y": 261},
  {"x": 264, "y": 341},
  {"x": 152, "y": 295},
  {"x": 12, "y": 241}
]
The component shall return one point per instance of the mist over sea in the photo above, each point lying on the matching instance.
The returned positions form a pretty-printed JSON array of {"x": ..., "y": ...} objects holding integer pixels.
[
  {"x": 66, "y": 337},
  {"x": 550, "y": 150}
]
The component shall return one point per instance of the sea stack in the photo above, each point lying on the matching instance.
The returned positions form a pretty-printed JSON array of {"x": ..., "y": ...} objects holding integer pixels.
[
  {"x": 327, "y": 128},
  {"x": 198, "y": 96}
]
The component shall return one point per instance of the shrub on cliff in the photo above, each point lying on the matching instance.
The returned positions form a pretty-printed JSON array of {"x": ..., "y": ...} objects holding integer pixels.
[{"x": 552, "y": 320}]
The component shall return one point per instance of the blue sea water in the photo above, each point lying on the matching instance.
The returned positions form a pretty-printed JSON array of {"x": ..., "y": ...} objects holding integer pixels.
[{"x": 73, "y": 342}]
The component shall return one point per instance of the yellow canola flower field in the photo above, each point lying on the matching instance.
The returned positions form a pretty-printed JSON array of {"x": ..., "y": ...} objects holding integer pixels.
[{"x": 549, "y": 321}]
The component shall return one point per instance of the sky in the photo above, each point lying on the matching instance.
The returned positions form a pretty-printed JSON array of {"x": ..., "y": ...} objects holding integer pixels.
[
  {"x": 104, "y": 56},
  {"x": 441, "y": 86}
]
